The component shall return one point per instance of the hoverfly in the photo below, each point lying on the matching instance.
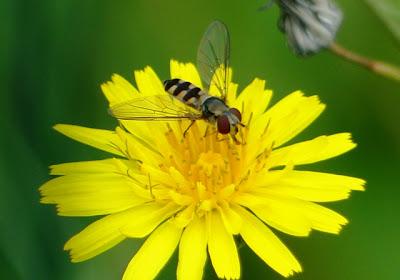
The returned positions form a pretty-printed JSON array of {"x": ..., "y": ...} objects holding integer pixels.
[{"x": 213, "y": 64}]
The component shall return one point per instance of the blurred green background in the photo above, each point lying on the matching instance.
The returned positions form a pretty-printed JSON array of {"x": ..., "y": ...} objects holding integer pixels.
[{"x": 55, "y": 54}]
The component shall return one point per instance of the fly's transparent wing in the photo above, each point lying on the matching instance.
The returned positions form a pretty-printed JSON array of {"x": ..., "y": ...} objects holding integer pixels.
[
  {"x": 153, "y": 108},
  {"x": 213, "y": 57}
]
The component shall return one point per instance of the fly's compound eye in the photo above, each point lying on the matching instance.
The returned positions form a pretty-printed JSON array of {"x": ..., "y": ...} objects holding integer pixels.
[
  {"x": 236, "y": 113},
  {"x": 223, "y": 124}
]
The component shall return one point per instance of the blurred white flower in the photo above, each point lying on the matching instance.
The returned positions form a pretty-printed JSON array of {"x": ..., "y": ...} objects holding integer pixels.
[{"x": 309, "y": 25}]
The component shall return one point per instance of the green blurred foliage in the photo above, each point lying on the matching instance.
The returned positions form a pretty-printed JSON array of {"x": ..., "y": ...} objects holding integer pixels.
[
  {"x": 55, "y": 54},
  {"x": 389, "y": 12}
]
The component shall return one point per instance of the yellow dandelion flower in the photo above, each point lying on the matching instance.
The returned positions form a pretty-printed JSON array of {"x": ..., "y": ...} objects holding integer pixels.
[{"x": 199, "y": 191}]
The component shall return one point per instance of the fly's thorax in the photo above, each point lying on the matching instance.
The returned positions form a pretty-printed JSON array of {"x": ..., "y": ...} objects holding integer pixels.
[
  {"x": 185, "y": 92},
  {"x": 212, "y": 107}
]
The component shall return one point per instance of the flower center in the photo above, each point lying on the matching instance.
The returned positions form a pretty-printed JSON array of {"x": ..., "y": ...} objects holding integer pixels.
[
  {"x": 210, "y": 160},
  {"x": 205, "y": 168}
]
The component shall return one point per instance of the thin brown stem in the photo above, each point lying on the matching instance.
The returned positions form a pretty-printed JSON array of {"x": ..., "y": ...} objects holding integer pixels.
[{"x": 376, "y": 66}]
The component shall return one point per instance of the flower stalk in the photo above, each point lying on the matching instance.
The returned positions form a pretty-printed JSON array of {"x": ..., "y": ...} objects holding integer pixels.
[{"x": 379, "y": 67}]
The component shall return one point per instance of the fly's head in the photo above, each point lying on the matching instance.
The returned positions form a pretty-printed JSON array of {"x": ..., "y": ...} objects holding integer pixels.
[{"x": 228, "y": 122}]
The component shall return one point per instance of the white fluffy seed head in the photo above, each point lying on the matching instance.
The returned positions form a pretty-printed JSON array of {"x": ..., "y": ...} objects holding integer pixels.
[{"x": 309, "y": 25}]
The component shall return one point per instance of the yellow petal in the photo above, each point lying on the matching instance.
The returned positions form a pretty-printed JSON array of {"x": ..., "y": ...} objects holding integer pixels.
[
  {"x": 148, "y": 220},
  {"x": 137, "y": 150},
  {"x": 291, "y": 215},
  {"x": 274, "y": 213},
  {"x": 292, "y": 115},
  {"x": 102, "y": 234},
  {"x": 280, "y": 212},
  {"x": 179, "y": 198},
  {"x": 266, "y": 245},
  {"x": 185, "y": 71},
  {"x": 254, "y": 99},
  {"x": 222, "y": 248},
  {"x": 105, "y": 140},
  {"x": 231, "y": 219},
  {"x": 232, "y": 95},
  {"x": 148, "y": 82},
  {"x": 317, "y": 149},
  {"x": 184, "y": 217},
  {"x": 178, "y": 177},
  {"x": 157, "y": 175},
  {"x": 315, "y": 186},
  {"x": 111, "y": 165},
  {"x": 192, "y": 251},
  {"x": 118, "y": 90},
  {"x": 93, "y": 194},
  {"x": 154, "y": 253},
  {"x": 322, "y": 218}
]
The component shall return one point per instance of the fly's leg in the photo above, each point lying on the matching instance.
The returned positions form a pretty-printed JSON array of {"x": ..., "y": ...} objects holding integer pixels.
[
  {"x": 207, "y": 132},
  {"x": 221, "y": 139},
  {"x": 237, "y": 142},
  {"x": 187, "y": 129}
]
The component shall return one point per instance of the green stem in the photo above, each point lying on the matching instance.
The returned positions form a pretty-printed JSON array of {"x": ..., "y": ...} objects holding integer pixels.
[{"x": 376, "y": 66}]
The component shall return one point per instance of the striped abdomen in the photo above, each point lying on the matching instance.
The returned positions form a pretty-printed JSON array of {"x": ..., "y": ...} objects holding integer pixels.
[{"x": 185, "y": 92}]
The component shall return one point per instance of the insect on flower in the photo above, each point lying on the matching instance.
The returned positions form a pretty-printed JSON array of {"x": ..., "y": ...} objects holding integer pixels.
[
  {"x": 213, "y": 62},
  {"x": 198, "y": 196}
]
